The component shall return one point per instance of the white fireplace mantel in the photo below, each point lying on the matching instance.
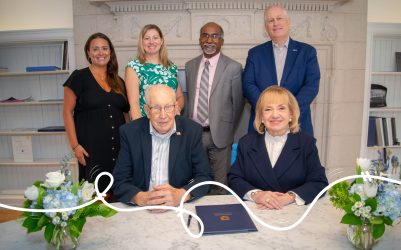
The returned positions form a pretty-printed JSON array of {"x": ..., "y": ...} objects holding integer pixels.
[{"x": 118, "y": 6}]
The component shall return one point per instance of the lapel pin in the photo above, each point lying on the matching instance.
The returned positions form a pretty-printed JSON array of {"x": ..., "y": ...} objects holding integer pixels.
[
  {"x": 294, "y": 50},
  {"x": 178, "y": 133}
]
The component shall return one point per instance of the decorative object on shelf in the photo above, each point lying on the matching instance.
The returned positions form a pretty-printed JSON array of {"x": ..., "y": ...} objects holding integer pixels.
[
  {"x": 378, "y": 96},
  {"x": 62, "y": 229},
  {"x": 398, "y": 61},
  {"x": 368, "y": 205}
]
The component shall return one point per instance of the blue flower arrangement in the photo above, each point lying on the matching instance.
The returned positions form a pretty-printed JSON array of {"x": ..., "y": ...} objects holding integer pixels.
[
  {"x": 373, "y": 203},
  {"x": 59, "y": 191}
]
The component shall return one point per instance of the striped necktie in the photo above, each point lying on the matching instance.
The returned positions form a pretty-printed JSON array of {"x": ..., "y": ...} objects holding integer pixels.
[{"x": 203, "y": 99}]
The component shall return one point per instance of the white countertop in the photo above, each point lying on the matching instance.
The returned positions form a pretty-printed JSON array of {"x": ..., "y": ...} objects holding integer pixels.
[{"x": 321, "y": 229}]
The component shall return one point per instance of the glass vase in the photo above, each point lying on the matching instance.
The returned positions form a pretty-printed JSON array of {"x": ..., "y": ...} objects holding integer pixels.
[
  {"x": 63, "y": 239},
  {"x": 361, "y": 236}
]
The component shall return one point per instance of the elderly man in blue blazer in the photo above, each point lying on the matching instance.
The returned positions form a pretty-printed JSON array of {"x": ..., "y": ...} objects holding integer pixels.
[
  {"x": 284, "y": 62},
  {"x": 161, "y": 155}
]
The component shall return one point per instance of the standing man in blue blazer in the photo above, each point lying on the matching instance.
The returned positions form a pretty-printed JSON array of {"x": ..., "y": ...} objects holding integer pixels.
[
  {"x": 161, "y": 155},
  {"x": 284, "y": 62}
]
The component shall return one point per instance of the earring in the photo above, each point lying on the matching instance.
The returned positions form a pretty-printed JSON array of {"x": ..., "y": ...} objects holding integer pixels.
[{"x": 290, "y": 119}]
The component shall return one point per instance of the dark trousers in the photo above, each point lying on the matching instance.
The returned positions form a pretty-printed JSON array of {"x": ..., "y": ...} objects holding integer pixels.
[{"x": 219, "y": 159}]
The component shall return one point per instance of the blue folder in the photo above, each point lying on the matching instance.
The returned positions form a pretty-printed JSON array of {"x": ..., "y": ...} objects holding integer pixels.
[{"x": 228, "y": 218}]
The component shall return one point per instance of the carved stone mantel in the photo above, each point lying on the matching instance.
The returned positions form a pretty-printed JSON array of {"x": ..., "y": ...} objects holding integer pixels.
[
  {"x": 118, "y": 6},
  {"x": 336, "y": 28}
]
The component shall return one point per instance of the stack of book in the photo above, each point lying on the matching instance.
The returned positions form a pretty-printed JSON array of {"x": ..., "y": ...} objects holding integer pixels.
[{"x": 382, "y": 131}]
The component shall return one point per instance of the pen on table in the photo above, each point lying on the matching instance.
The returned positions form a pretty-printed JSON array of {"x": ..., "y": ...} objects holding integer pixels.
[{"x": 189, "y": 220}]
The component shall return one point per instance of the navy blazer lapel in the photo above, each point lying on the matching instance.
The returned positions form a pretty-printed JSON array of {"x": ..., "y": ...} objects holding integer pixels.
[
  {"x": 269, "y": 57},
  {"x": 175, "y": 141},
  {"x": 259, "y": 156},
  {"x": 292, "y": 53},
  {"x": 146, "y": 140},
  {"x": 220, "y": 67},
  {"x": 288, "y": 155}
]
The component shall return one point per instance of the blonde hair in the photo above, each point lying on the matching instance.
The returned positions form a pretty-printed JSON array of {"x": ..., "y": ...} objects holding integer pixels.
[
  {"x": 163, "y": 49},
  {"x": 274, "y": 94}
]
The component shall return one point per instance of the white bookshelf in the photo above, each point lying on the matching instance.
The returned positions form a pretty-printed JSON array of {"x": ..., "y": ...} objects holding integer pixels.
[
  {"x": 18, "y": 50},
  {"x": 382, "y": 43}
]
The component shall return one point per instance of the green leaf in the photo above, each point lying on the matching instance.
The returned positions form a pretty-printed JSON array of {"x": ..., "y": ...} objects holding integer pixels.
[
  {"x": 76, "y": 226},
  {"x": 49, "y": 232},
  {"x": 75, "y": 187},
  {"x": 376, "y": 220},
  {"x": 348, "y": 208},
  {"x": 356, "y": 197},
  {"x": 105, "y": 211},
  {"x": 372, "y": 203},
  {"x": 378, "y": 230},
  {"x": 43, "y": 221},
  {"x": 41, "y": 193},
  {"x": 27, "y": 203},
  {"x": 387, "y": 221},
  {"x": 358, "y": 172},
  {"x": 351, "y": 219},
  {"x": 31, "y": 223}
]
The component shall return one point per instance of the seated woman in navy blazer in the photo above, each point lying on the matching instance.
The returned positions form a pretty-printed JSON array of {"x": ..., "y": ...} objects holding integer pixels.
[{"x": 278, "y": 164}]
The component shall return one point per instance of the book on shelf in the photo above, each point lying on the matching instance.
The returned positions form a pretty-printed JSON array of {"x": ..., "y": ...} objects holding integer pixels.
[
  {"x": 52, "y": 100},
  {"x": 13, "y": 99},
  {"x": 41, "y": 68},
  {"x": 228, "y": 218},
  {"x": 389, "y": 131},
  {"x": 22, "y": 148},
  {"x": 394, "y": 131},
  {"x": 385, "y": 131},
  {"x": 3, "y": 69},
  {"x": 379, "y": 131},
  {"x": 398, "y": 61},
  {"x": 52, "y": 129},
  {"x": 64, "y": 56},
  {"x": 372, "y": 139}
]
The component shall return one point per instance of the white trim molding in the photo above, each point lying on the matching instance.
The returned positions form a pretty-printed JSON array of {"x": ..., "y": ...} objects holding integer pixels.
[{"x": 127, "y": 6}]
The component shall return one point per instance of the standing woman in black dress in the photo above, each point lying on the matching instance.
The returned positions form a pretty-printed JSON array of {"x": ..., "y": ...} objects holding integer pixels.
[{"x": 95, "y": 106}]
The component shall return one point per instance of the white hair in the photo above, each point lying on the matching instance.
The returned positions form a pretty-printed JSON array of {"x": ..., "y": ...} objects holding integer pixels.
[{"x": 150, "y": 88}]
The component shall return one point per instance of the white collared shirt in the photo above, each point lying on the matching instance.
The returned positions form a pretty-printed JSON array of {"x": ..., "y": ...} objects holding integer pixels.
[
  {"x": 280, "y": 54},
  {"x": 212, "y": 70},
  {"x": 160, "y": 157},
  {"x": 274, "y": 146}
]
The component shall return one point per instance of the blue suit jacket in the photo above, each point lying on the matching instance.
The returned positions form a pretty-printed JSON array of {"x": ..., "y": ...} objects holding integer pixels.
[
  {"x": 188, "y": 162},
  {"x": 297, "y": 169},
  {"x": 301, "y": 76}
]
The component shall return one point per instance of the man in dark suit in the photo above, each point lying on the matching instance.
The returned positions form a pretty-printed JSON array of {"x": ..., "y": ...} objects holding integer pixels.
[
  {"x": 161, "y": 155},
  {"x": 219, "y": 107},
  {"x": 285, "y": 62}
]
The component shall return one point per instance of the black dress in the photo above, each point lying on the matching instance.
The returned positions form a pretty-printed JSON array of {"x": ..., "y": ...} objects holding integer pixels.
[{"x": 97, "y": 115}]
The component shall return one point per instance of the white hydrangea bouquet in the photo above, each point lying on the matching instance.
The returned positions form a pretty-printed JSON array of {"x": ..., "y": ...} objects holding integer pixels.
[
  {"x": 368, "y": 205},
  {"x": 62, "y": 229}
]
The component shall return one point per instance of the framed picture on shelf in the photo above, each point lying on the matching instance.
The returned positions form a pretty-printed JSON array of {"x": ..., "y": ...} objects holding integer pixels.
[{"x": 390, "y": 164}]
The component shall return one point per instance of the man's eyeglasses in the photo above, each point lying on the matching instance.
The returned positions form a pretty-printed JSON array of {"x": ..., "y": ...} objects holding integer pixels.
[
  {"x": 157, "y": 109},
  {"x": 215, "y": 36}
]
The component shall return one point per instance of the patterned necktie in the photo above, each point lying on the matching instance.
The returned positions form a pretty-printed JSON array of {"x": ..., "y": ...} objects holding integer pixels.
[{"x": 203, "y": 102}]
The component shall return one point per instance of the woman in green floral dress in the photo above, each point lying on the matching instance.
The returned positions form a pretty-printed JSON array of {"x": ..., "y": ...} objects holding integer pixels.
[{"x": 151, "y": 67}]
